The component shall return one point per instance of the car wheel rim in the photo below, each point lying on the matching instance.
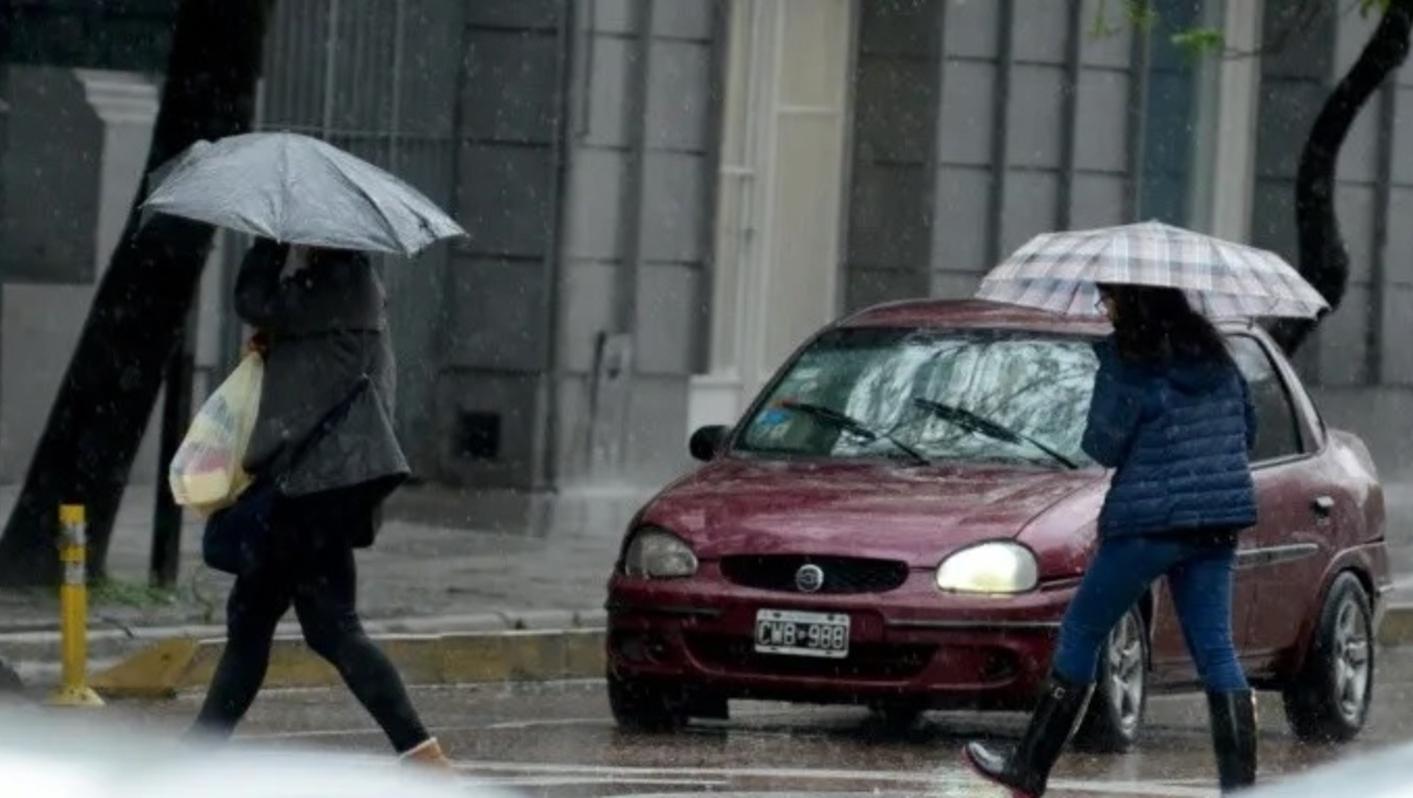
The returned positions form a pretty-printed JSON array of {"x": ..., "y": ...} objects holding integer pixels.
[
  {"x": 1351, "y": 661},
  {"x": 1125, "y": 658}
]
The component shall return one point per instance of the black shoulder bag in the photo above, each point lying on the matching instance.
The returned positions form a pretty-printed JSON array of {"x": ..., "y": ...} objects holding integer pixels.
[{"x": 237, "y": 538}]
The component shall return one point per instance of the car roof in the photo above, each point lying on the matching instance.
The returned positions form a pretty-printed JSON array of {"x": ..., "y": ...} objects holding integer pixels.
[{"x": 981, "y": 314}]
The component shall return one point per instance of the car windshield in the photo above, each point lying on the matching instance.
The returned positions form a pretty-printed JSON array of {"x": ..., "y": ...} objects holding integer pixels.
[{"x": 880, "y": 392}]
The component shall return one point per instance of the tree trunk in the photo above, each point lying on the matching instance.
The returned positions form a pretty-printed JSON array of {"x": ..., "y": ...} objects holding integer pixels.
[
  {"x": 97, "y": 421},
  {"x": 1323, "y": 259}
]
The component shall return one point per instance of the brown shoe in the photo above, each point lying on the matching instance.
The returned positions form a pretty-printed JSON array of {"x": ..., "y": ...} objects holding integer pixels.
[{"x": 428, "y": 754}]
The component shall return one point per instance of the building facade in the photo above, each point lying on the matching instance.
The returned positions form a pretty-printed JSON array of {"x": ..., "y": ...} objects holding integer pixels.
[
  {"x": 972, "y": 126},
  {"x": 576, "y": 143},
  {"x": 665, "y": 197}
]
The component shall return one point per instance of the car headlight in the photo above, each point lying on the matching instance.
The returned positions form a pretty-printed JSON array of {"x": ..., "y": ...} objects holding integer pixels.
[
  {"x": 658, "y": 554},
  {"x": 996, "y": 567}
]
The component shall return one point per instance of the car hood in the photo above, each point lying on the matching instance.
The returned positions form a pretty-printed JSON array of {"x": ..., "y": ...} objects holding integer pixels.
[{"x": 857, "y": 509}]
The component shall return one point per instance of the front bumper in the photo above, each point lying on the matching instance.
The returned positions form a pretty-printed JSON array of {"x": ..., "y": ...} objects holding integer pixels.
[{"x": 914, "y": 643}]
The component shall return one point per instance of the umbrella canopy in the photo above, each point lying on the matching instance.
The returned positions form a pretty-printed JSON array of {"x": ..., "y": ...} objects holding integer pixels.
[
  {"x": 299, "y": 190},
  {"x": 1060, "y": 272}
]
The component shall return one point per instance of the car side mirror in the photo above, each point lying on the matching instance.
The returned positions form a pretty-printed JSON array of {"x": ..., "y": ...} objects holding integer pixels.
[{"x": 707, "y": 442}]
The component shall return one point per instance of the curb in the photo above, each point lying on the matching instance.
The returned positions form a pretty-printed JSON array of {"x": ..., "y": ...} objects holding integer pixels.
[
  {"x": 106, "y": 628},
  {"x": 1396, "y": 626},
  {"x": 169, "y": 667},
  {"x": 35, "y": 652}
]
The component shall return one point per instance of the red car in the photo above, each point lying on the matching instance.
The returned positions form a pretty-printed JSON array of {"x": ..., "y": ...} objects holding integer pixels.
[{"x": 902, "y": 516}]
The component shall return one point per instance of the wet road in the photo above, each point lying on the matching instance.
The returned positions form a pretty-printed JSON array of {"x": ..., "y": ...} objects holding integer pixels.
[{"x": 558, "y": 740}]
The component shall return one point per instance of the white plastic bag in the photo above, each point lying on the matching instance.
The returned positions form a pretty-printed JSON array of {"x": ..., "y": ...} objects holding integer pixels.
[{"x": 206, "y": 474}]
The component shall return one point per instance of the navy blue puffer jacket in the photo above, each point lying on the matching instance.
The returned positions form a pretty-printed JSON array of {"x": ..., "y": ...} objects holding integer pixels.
[{"x": 1178, "y": 437}]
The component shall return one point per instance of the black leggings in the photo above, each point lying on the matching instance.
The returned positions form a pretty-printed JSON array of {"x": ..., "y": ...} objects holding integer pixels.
[{"x": 311, "y": 566}]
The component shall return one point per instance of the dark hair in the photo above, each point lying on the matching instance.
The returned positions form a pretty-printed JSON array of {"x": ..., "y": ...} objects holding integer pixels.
[
  {"x": 1156, "y": 325},
  {"x": 320, "y": 257}
]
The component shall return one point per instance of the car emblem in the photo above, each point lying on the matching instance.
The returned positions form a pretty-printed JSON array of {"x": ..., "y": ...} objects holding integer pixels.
[{"x": 809, "y": 579}]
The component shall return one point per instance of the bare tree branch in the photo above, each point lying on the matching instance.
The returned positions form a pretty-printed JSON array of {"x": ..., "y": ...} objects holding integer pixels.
[{"x": 1323, "y": 259}]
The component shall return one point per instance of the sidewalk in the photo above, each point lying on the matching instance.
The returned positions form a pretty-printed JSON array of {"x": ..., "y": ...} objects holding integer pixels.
[
  {"x": 1398, "y": 502},
  {"x": 517, "y": 555}
]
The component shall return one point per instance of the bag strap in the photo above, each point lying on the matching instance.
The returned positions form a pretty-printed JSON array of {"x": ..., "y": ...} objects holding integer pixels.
[{"x": 334, "y": 414}]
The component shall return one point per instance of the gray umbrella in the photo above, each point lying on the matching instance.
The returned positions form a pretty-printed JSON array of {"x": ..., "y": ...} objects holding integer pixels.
[{"x": 299, "y": 190}]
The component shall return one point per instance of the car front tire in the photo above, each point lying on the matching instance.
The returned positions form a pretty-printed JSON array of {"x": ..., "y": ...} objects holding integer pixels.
[
  {"x": 649, "y": 706},
  {"x": 1329, "y": 699},
  {"x": 897, "y": 718},
  {"x": 645, "y": 706},
  {"x": 1115, "y": 713}
]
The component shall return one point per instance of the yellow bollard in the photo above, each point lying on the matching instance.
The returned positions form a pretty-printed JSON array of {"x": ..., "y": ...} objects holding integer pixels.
[{"x": 73, "y": 612}]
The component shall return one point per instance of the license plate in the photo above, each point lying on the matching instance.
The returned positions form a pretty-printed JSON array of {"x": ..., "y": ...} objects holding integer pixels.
[{"x": 802, "y": 634}]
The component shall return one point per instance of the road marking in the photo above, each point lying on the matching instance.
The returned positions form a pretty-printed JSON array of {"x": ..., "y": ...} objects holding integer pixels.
[
  {"x": 954, "y": 790},
  {"x": 583, "y": 781},
  {"x": 940, "y": 783},
  {"x": 941, "y": 778},
  {"x": 517, "y": 725},
  {"x": 509, "y": 725}
]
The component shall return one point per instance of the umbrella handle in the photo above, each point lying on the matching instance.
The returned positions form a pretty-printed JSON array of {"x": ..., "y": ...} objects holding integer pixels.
[{"x": 259, "y": 344}]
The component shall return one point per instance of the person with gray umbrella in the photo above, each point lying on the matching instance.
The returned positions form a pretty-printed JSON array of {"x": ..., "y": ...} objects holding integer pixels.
[
  {"x": 323, "y": 453},
  {"x": 324, "y": 438}
]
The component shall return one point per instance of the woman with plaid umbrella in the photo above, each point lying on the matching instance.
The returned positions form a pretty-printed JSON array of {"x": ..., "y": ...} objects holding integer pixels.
[{"x": 1171, "y": 415}]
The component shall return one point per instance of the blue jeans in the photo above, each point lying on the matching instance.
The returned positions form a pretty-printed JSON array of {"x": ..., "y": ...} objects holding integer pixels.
[{"x": 1200, "y": 578}]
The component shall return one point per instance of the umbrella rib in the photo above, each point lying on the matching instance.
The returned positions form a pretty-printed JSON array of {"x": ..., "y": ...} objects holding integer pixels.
[
  {"x": 377, "y": 206},
  {"x": 283, "y": 196},
  {"x": 1080, "y": 282}
]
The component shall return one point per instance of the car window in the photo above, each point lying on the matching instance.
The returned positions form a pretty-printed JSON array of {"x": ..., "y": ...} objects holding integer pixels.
[
  {"x": 1277, "y": 426},
  {"x": 1035, "y": 384}
]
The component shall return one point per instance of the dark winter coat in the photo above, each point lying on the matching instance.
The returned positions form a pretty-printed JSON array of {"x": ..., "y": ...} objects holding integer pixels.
[
  {"x": 327, "y": 333},
  {"x": 1178, "y": 438}
]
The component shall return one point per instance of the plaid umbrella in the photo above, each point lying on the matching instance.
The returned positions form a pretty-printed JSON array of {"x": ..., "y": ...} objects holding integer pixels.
[{"x": 1060, "y": 272}]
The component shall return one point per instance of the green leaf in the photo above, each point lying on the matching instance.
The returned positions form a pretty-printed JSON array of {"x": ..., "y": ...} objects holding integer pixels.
[
  {"x": 1101, "y": 29},
  {"x": 1197, "y": 42},
  {"x": 1142, "y": 14}
]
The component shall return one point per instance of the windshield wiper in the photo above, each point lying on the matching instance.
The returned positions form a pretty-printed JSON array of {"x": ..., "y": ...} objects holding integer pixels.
[
  {"x": 971, "y": 422},
  {"x": 854, "y": 427}
]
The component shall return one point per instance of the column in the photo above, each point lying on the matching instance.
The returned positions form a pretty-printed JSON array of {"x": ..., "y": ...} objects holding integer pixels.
[
  {"x": 782, "y": 172},
  {"x": 1228, "y": 185}
]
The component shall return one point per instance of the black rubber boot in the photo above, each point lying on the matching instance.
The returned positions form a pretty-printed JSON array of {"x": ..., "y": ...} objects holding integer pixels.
[
  {"x": 1027, "y": 769},
  {"x": 1234, "y": 738}
]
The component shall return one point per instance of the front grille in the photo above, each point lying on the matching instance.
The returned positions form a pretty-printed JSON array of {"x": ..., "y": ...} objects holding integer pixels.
[
  {"x": 842, "y": 575},
  {"x": 866, "y": 661}
]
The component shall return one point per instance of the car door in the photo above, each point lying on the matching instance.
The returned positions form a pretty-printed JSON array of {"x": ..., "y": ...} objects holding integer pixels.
[
  {"x": 1282, "y": 557},
  {"x": 1171, "y": 662},
  {"x": 1274, "y": 556}
]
